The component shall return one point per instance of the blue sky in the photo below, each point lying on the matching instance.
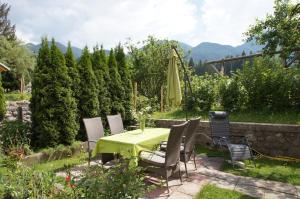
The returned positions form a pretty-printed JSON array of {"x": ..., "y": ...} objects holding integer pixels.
[{"x": 88, "y": 22}]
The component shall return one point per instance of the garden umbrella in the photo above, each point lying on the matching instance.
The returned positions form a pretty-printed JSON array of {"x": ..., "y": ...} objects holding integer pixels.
[{"x": 173, "y": 83}]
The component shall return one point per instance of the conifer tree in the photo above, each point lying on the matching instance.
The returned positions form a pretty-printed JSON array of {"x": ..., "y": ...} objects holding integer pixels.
[
  {"x": 52, "y": 104},
  {"x": 124, "y": 72},
  {"x": 72, "y": 71},
  {"x": 101, "y": 70},
  {"x": 38, "y": 104},
  {"x": 64, "y": 104},
  {"x": 115, "y": 87},
  {"x": 88, "y": 100}
]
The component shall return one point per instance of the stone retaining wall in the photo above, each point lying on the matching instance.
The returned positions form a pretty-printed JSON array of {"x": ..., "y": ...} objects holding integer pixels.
[
  {"x": 12, "y": 110},
  {"x": 269, "y": 139}
]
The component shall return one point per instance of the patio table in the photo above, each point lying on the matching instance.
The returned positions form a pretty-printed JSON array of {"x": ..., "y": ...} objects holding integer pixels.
[{"x": 130, "y": 143}]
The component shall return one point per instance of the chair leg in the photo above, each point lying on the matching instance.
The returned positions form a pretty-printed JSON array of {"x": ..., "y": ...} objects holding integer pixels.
[
  {"x": 186, "y": 169},
  {"x": 179, "y": 173},
  {"x": 89, "y": 161},
  {"x": 195, "y": 160},
  {"x": 167, "y": 182}
]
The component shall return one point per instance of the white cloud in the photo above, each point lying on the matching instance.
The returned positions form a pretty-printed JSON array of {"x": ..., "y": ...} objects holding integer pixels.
[
  {"x": 225, "y": 21},
  {"x": 108, "y": 22}
]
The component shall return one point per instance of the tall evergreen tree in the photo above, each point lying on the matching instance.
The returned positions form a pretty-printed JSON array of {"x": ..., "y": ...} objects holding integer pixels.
[
  {"x": 101, "y": 70},
  {"x": 116, "y": 89},
  {"x": 88, "y": 100},
  {"x": 39, "y": 102},
  {"x": 64, "y": 104},
  {"x": 73, "y": 71},
  {"x": 124, "y": 72},
  {"x": 53, "y": 106}
]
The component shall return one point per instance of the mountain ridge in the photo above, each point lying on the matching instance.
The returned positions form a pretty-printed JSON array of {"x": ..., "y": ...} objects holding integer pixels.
[{"x": 205, "y": 51}]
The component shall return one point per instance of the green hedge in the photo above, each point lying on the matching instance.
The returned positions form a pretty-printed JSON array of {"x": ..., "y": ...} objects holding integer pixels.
[{"x": 262, "y": 85}]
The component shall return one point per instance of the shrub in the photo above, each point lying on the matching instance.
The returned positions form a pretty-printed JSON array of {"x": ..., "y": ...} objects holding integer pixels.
[
  {"x": 269, "y": 85},
  {"x": 122, "y": 181},
  {"x": 15, "y": 135},
  {"x": 232, "y": 94},
  {"x": 203, "y": 93},
  {"x": 24, "y": 182}
]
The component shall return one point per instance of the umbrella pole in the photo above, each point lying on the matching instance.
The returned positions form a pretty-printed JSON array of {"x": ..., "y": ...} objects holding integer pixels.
[
  {"x": 186, "y": 81},
  {"x": 185, "y": 98}
]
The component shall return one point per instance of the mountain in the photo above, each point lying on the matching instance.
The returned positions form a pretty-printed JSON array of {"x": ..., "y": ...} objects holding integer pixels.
[
  {"x": 185, "y": 47},
  {"x": 35, "y": 48},
  {"x": 207, "y": 51}
]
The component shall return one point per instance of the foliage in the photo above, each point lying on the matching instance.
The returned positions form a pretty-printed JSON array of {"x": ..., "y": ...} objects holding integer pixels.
[
  {"x": 213, "y": 192},
  {"x": 288, "y": 117},
  {"x": 18, "y": 58},
  {"x": 53, "y": 106},
  {"x": 72, "y": 71},
  {"x": 150, "y": 64},
  {"x": 88, "y": 102},
  {"x": 16, "y": 96},
  {"x": 6, "y": 29},
  {"x": 119, "y": 182},
  {"x": 233, "y": 96},
  {"x": 15, "y": 135},
  {"x": 101, "y": 71},
  {"x": 279, "y": 30},
  {"x": 24, "y": 182},
  {"x": 123, "y": 69},
  {"x": 267, "y": 169},
  {"x": 116, "y": 88},
  {"x": 2, "y": 101},
  {"x": 269, "y": 86},
  {"x": 203, "y": 96}
]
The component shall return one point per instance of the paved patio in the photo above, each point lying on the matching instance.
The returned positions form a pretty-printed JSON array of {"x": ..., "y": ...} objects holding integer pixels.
[{"x": 208, "y": 172}]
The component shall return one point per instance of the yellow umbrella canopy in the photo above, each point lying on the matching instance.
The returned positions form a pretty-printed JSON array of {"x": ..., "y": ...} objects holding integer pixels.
[{"x": 173, "y": 83}]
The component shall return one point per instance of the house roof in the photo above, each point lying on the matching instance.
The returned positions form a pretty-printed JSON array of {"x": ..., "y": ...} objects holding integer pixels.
[{"x": 3, "y": 67}]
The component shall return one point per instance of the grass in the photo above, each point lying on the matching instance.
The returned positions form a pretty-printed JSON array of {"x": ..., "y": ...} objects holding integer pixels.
[
  {"x": 213, "y": 192},
  {"x": 267, "y": 169},
  {"x": 58, "y": 165},
  {"x": 210, "y": 152},
  {"x": 16, "y": 96},
  {"x": 289, "y": 117}
]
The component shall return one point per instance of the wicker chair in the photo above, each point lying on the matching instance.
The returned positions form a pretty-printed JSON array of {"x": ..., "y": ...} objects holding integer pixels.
[
  {"x": 95, "y": 131},
  {"x": 187, "y": 148},
  {"x": 237, "y": 145},
  {"x": 115, "y": 124},
  {"x": 168, "y": 163}
]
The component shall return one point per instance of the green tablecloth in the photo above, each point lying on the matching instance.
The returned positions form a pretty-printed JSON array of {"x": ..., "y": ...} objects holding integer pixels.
[{"x": 130, "y": 143}]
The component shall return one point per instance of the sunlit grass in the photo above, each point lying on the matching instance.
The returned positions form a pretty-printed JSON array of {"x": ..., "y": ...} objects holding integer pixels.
[
  {"x": 257, "y": 117},
  {"x": 213, "y": 192}
]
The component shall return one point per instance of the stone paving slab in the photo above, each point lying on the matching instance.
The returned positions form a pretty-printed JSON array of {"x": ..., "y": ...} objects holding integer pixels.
[
  {"x": 270, "y": 185},
  {"x": 250, "y": 190},
  {"x": 269, "y": 194}
]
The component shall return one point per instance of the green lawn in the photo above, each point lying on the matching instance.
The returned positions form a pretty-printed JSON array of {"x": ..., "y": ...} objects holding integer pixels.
[
  {"x": 58, "y": 165},
  {"x": 259, "y": 117},
  {"x": 288, "y": 172},
  {"x": 213, "y": 192}
]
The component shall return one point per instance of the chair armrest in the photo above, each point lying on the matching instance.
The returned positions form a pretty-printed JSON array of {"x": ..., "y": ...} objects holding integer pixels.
[
  {"x": 243, "y": 138},
  {"x": 158, "y": 153},
  {"x": 95, "y": 141}
]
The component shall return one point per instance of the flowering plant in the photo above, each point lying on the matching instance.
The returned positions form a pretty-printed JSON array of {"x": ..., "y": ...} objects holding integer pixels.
[{"x": 142, "y": 115}]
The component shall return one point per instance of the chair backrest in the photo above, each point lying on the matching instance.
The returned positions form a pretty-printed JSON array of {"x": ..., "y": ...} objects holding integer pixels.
[
  {"x": 115, "y": 124},
  {"x": 174, "y": 143},
  {"x": 94, "y": 130},
  {"x": 190, "y": 135},
  {"x": 219, "y": 123}
]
